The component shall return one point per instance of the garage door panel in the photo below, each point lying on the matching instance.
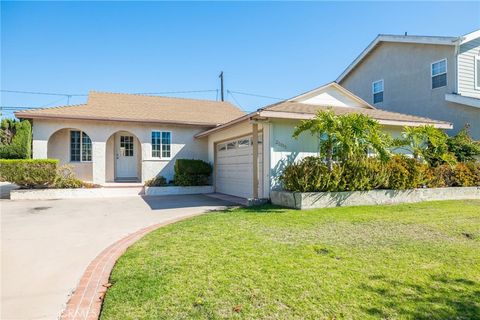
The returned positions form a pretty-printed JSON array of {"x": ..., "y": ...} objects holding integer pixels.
[{"x": 234, "y": 171}]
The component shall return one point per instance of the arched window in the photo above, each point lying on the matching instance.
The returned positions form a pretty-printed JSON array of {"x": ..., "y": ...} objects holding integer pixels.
[{"x": 80, "y": 146}]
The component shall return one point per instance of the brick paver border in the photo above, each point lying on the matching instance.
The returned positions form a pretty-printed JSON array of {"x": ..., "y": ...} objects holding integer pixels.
[{"x": 86, "y": 301}]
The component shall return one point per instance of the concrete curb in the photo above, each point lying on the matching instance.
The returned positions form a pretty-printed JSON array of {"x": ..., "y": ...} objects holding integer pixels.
[
  {"x": 105, "y": 192},
  {"x": 86, "y": 301},
  {"x": 176, "y": 190}
]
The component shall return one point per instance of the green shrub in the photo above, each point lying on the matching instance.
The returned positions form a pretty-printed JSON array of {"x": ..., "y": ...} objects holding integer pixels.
[
  {"x": 463, "y": 146},
  {"x": 459, "y": 175},
  {"x": 15, "y": 139},
  {"x": 66, "y": 178},
  {"x": 159, "y": 181},
  {"x": 474, "y": 167},
  {"x": 29, "y": 172},
  {"x": 190, "y": 172},
  {"x": 362, "y": 174},
  {"x": 309, "y": 175},
  {"x": 463, "y": 176},
  {"x": 312, "y": 175},
  {"x": 405, "y": 173}
]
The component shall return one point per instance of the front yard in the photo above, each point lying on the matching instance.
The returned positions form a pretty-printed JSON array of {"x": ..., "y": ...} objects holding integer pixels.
[{"x": 412, "y": 261}]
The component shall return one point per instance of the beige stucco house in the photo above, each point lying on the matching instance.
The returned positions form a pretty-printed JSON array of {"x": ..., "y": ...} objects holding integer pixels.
[
  {"x": 123, "y": 137},
  {"x": 436, "y": 77}
]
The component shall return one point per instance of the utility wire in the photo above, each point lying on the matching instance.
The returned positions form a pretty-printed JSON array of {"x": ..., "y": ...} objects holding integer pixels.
[
  {"x": 13, "y": 108},
  {"x": 58, "y": 100},
  {"x": 233, "y": 97},
  {"x": 168, "y": 92},
  {"x": 45, "y": 93},
  {"x": 84, "y": 95},
  {"x": 256, "y": 95}
]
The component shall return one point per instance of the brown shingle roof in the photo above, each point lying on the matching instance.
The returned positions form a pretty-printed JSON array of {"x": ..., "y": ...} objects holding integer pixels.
[
  {"x": 142, "y": 108},
  {"x": 298, "y": 107}
]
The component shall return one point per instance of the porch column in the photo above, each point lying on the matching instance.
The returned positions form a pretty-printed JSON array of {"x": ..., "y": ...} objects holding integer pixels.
[
  {"x": 39, "y": 149},
  {"x": 98, "y": 161},
  {"x": 255, "y": 159}
]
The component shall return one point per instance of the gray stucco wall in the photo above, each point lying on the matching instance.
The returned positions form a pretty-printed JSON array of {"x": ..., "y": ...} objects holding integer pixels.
[{"x": 405, "y": 69}]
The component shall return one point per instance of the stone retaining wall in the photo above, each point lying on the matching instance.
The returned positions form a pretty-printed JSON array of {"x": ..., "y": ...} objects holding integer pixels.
[{"x": 310, "y": 200}]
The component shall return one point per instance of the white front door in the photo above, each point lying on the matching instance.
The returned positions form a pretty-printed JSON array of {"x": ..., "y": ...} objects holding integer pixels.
[{"x": 125, "y": 156}]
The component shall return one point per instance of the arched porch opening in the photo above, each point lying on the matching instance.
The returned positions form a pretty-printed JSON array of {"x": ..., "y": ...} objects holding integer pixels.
[
  {"x": 123, "y": 158},
  {"x": 73, "y": 147}
]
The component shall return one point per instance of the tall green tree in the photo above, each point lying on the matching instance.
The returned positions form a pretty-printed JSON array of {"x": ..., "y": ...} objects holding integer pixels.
[
  {"x": 346, "y": 136},
  {"x": 15, "y": 139}
]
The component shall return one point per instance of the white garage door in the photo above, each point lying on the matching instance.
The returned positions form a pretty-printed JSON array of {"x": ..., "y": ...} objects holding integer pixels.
[{"x": 234, "y": 167}]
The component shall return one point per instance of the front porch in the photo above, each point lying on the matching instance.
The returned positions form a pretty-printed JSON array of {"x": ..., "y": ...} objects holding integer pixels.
[{"x": 113, "y": 159}]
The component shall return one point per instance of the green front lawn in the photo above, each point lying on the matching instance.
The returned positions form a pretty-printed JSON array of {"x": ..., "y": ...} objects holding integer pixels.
[{"x": 412, "y": 261}]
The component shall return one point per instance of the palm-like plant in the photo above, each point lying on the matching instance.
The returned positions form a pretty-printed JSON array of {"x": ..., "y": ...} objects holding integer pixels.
[
  {"x": 426, "y": 143},
  {"x": 345, "y": 136}
]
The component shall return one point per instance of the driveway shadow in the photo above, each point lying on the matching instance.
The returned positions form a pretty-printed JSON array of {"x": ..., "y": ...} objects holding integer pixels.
[
  {"x": 186, "y": 201},
  {"x": 5, "y": 188}
]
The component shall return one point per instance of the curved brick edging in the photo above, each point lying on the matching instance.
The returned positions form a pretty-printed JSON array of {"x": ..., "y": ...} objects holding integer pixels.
[{"x": 86, "y": 301}]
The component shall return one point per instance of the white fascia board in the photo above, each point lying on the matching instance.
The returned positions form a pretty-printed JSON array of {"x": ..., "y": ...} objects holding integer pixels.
[
  {"x": 468, "y": 101},
  {"x": 470, "y": 36},
  {"x": 338, "y": 87},
  {"x": 224, "y": 126}
]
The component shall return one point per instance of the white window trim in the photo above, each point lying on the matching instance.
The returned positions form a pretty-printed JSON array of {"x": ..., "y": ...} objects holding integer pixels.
[
  {"x": 81, "y": 147},
  {"x": 151, "y": 145},
  {"x": 373, "y": 90},
  {"x": 477, "y": 74},
  {"x": 431, "y": 73}
]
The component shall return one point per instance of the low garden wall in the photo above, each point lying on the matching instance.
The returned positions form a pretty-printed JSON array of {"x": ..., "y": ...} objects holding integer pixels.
[
  {"x": 52, "y": 194},
  {"x": 311, "y": 200}
]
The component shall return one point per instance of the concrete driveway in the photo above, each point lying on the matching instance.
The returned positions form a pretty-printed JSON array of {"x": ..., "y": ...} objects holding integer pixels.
[{"x": 46, "y": 245}]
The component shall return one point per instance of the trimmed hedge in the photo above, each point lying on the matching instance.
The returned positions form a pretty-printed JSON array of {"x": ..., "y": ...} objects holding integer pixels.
[
  {"x": 159, "y": 181},
  {"x": 29, "y": 172},
  {"x": 190, "y": 172},
  {"x": 398, "y": 173},
  {"x": 15, "y": 139}
]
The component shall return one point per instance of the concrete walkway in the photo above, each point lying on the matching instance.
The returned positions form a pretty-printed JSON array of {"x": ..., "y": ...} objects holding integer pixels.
[{"x": 47, "y": 245}]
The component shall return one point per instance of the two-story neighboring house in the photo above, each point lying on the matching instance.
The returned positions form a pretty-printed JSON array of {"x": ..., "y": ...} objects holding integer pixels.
[{"x": 437, "y": 77}]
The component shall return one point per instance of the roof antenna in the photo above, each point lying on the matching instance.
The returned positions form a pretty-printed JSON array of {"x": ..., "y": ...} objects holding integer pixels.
[
  {"x": 221, "y": 85},
  {"x": 406, "y": 34}
]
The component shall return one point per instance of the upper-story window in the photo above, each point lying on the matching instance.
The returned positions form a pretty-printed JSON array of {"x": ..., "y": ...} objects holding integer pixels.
[
  {"x": 80, "y": 146},
  {"x": 377, "y": 90},
  {"x": 477, "y": 72},
  {"x": 439, "y": 74},
  {"x": 161, "y": 144}
]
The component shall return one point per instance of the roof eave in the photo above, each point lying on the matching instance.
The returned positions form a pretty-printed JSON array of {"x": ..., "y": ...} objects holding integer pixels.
[
  {"x": 22, "y": 115},
  {"x": 227, "y": 125},
  {"x": 401, "y": 123}
]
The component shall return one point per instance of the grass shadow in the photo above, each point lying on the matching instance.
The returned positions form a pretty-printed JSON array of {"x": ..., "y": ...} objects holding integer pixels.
[{"x": 442, "y": 298}]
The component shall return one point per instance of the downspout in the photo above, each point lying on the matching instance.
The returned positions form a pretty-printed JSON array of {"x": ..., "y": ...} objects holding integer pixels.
[{"x": 456, "y": 52}]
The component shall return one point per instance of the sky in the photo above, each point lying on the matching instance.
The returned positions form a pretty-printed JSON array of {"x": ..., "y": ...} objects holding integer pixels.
[{"x": 274, "y": 49}]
